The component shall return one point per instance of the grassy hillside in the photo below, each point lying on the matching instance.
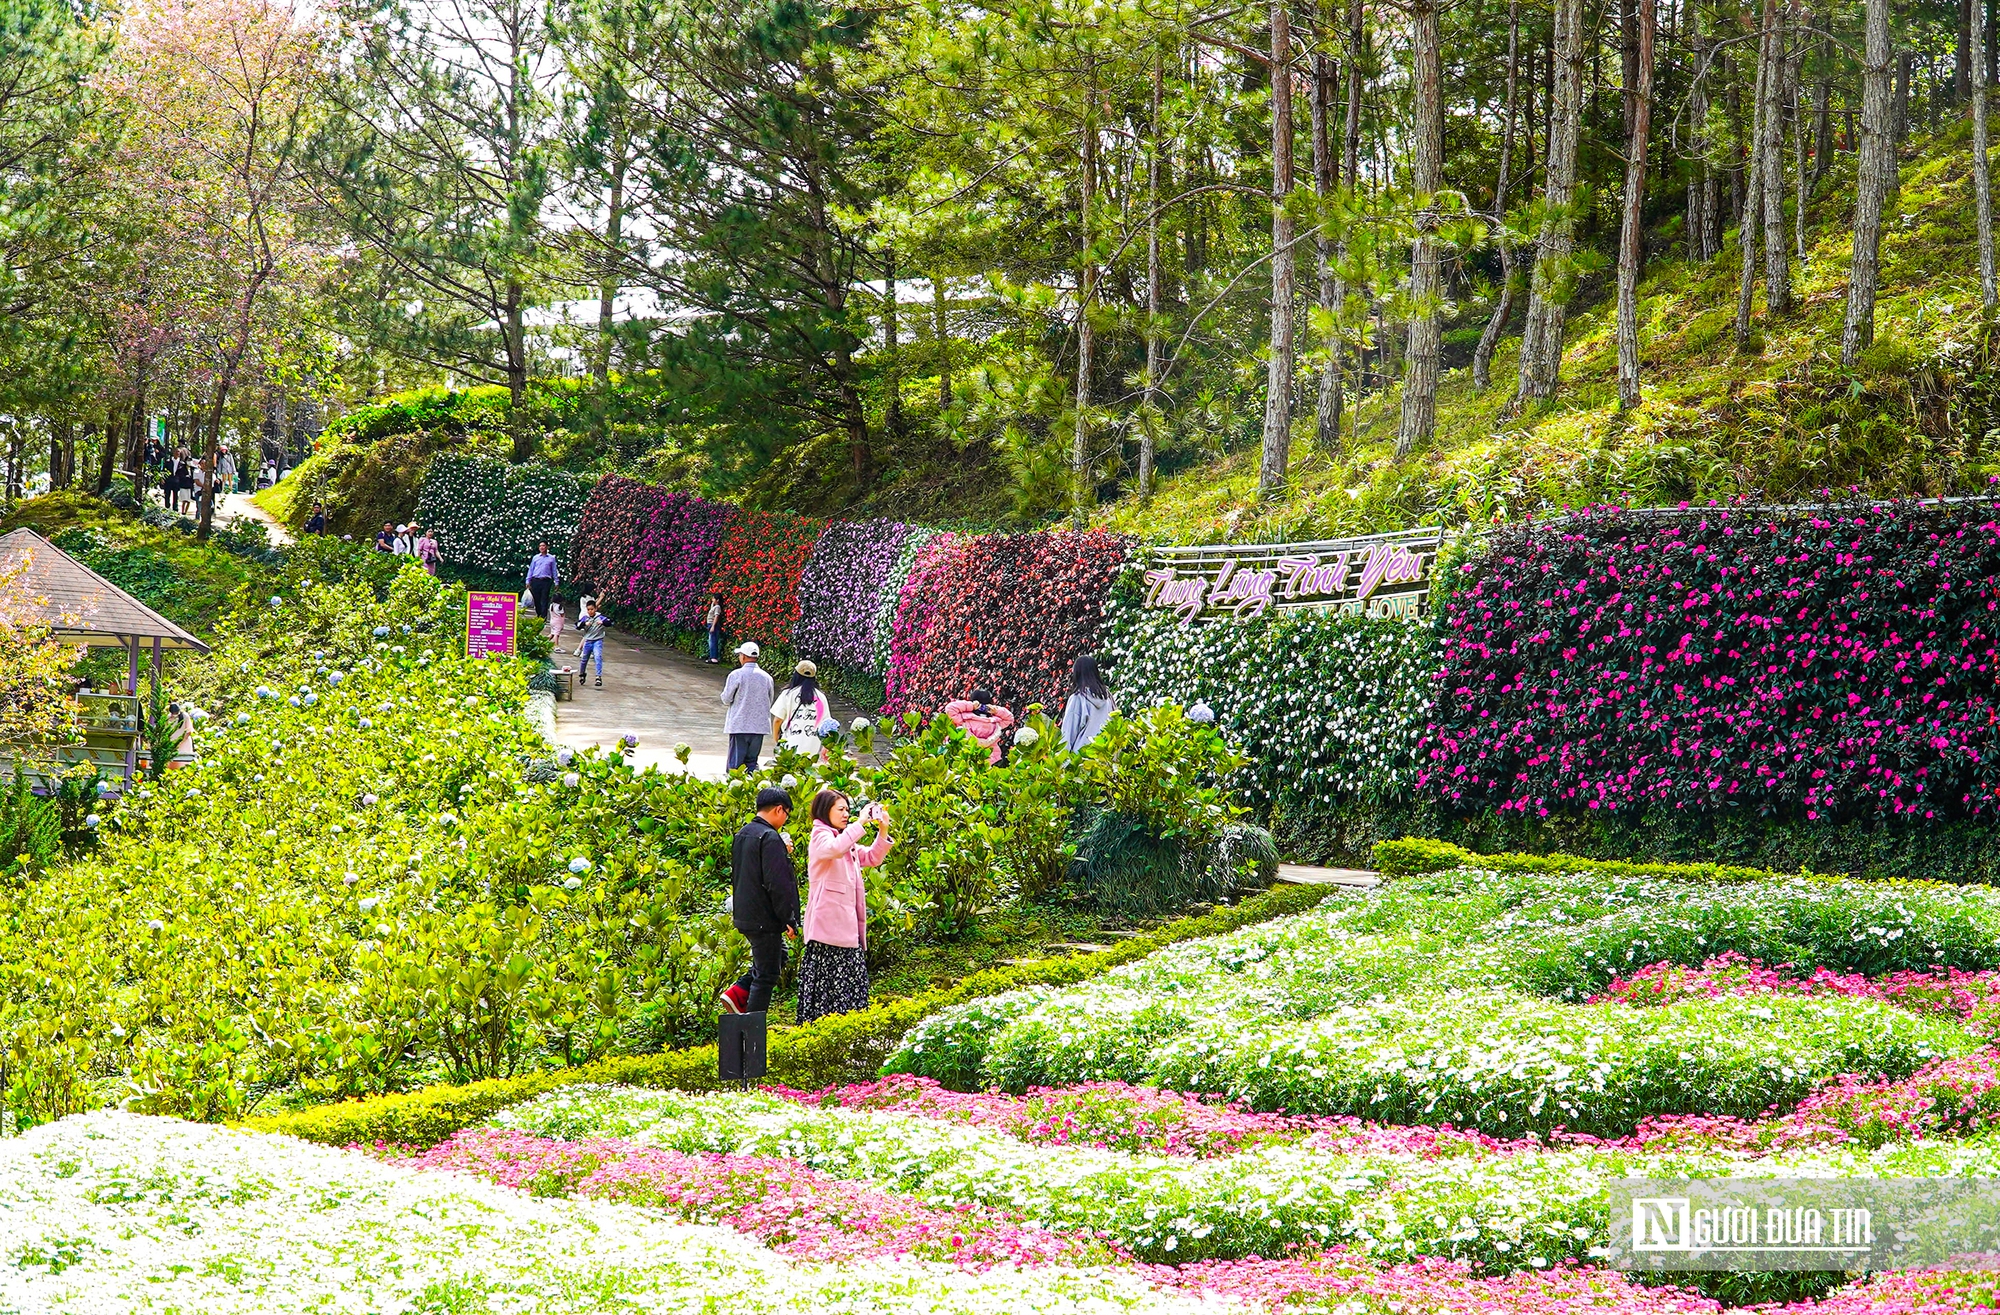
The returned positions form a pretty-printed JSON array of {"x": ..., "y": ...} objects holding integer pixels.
[{"x": 1780, "y": 422}]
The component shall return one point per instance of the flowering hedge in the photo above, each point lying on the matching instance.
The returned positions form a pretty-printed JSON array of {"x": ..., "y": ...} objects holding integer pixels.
[
  {"x": 757, "y": 570},
  {"x": 841, "y": 590},
  {"x": 1012, "y": 611},
  {"x": 919, "y": 603},
  {"x": 1328, "y": 709},
  {"x": 609, "y": 533},
  {"x": 673, "y": 559},
  {"x": 488, "y": 515},
  {"x": 1832, "y": 664},
  {"x": 891, "y": 593}
]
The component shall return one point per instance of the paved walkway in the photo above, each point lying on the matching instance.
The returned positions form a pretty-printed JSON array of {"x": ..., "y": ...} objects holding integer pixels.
[
  {"x": 660, "y": 694},
  {"x": 238, "y": 507}
]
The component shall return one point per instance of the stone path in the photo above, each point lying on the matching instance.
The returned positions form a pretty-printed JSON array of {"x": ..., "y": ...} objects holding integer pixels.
[
  {"x": 660, "y": 694},
  {"x": 1300, "y": 874}
]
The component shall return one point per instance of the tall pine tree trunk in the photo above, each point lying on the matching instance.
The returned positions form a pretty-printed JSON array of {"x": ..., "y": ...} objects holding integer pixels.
[
  {"x": 1081, "y": 487},
  {"x": 1877, "y": 175},
  {"x": 1700, "y": 186},
  {"x": 1631, "y": 233},
  {"x": 1326, "y": 413},
  {"x": 1777, "y": 252},
  {"x": 1278, "y": 383},
  {"x": 1350, "y": 169},
  {"x": 1489, "y": 337},
  {"x": 1419, "y": 418},
  {"x": 1982, "y": 183},
  {"x": 941, "y": 332},
  {"x": 1548, "y": 293},
  {"x": 1752, "y": 210},
  {"x": 1822, "y": 110},
  {"x": 1150, "y": 421},
  {"x": 892, "y": 349}
]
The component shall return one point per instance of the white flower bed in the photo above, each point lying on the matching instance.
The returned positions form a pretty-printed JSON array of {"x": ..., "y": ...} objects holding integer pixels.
[
  {"x": 1500, "y": 1209},
  {"x": 120, "y": 1213}
]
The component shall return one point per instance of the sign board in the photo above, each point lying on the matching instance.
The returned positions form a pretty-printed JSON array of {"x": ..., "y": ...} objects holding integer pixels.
[
  {"x": 1381, "y": 575},
  {"x": 489, "y": 624}
]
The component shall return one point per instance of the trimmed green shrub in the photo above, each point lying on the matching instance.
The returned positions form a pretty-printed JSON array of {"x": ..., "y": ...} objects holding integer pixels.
[
  {"x": 1407, "y": 857},
  {"x": 839, "y": 1048}
]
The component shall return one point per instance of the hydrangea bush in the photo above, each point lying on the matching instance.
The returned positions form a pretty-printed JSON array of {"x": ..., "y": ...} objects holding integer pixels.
[{"x": 488, "y": 515}]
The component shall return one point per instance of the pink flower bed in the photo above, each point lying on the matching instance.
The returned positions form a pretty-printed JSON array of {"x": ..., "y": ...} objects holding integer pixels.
[
  {"x": 811, "y": 1216},
  {"x": 1943, "y": 990},
  {"x": 788, "y": 1207},
  {"x": 1120, "y": 1116}
]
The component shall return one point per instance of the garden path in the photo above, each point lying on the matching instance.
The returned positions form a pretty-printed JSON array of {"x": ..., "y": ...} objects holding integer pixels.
[
  {"x": 661, "y": 695},
  {"x": 238, "y": 507}
]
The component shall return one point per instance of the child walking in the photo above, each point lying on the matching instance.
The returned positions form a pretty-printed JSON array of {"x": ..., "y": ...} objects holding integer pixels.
[{"x": 590, "y": 630}]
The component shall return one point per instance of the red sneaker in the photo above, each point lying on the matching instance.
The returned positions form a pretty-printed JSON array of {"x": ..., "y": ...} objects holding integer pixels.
[{"x": 735, "y": 999}]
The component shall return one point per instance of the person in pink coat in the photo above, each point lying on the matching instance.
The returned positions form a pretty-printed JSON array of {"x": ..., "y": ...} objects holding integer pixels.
[
  {"x": 833, "y": 967},
  {"x": 981, "y": 718}
]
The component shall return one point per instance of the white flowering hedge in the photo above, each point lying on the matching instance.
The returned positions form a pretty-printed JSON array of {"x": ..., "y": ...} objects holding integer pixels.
[
  {"x": 120, "y": 1213},
  {"x": 488, "y": 515},
  {"x": 1441, "y": 999},
  {"x": 1329, "y": 709}
]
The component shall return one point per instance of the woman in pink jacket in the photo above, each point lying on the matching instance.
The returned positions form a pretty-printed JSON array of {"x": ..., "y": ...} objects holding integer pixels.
[
  {"x": 833, "y": 967},
  {"x": 981, "y": 718}
]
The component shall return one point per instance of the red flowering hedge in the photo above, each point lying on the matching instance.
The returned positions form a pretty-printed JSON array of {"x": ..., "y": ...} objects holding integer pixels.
[
  {"x": 1010, "y": 613},
  {"x": 757, "y": 572},
  {"x": 608, "y": 533},
  {"x": 1819, "y": 664}
]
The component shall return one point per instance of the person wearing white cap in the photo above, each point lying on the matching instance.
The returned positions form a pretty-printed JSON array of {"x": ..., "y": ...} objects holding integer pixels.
[
  {"x": 747, "y": 696},
  {"x": 401, "y": 545},
  {"x": 796, "y": 716}
]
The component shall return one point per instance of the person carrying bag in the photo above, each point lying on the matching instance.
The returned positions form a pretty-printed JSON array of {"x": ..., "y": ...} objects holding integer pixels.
[{"x": 833, "y": 967}]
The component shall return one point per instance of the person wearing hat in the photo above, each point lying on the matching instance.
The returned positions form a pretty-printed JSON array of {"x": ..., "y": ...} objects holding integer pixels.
[
  {"x": 796, "y": 716},
  {"x": 764, "y": 895},
  {"x": 402, "y": 545},
  {"x": 747, "y": 696}
]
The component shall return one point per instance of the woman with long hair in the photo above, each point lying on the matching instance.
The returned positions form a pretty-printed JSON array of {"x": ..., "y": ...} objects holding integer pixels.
[
  {"x": 833, "y": 966},
  {"x": 799, "y": 712},
  {"x": 1089, "y": 705}
]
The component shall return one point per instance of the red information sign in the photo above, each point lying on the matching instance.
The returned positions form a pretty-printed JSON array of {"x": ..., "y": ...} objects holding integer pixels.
[{"x": 489, "y": 624}]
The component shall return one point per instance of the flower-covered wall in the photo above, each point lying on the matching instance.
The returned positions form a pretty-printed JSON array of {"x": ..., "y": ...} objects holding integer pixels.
[
  {"x": 1823, "y": 665},
  {"x": 488, "y": 515}
]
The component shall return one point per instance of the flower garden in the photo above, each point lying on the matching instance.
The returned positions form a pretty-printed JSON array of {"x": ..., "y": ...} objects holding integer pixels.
[{"x": 385, "y": 1004}]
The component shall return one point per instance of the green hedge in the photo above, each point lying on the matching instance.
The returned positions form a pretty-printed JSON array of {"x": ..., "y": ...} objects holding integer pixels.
[
  {"x": 840, "y": 1048},
  {"x": 488, "y": 515},
  {"x": 1409, "y": 857}
]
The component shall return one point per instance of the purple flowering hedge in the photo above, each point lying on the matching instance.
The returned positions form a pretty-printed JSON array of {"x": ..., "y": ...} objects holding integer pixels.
[
  {"x": 673, "y": 559},
  {"x": 1817, "y": 666},
  {"x": 840, "y": 591},
  {"x": 609, "y": 531}
]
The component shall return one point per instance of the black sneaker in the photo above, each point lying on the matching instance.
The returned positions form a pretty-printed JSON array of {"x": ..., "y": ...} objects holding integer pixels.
[{"x": 600, "y": 682}]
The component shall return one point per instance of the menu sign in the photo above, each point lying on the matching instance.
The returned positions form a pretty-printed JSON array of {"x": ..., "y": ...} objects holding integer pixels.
[
  {"x": 489, "y": 624},
  {"x": 1382, "y": 575}
]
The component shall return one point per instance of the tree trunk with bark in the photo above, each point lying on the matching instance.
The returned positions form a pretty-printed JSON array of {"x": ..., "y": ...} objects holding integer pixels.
[
  {"x": 1982, "y": 183},
  {"x": 1278, "y": 383},
  {"x": 1701, "y": 187},
  {"x": 1877, "y": 175},
  {"x": 1503, "y": 310},
  {"x": 1631, "y": 233},
  {"x": 941, "y": 332},
  {"x": 1777, "y": 252},
  {"x": 1752, "y": 209},
  {"x": 1081, "y": 488},
  {"x": 1548, "y": 292},
  {"x": 1149, "y": 422},
  {"x": 607, "y": 278},
  {"x": 892, "y": 349},
  {"x": 1419, "y": 418},
  {"x": 1326, "y": 412}
]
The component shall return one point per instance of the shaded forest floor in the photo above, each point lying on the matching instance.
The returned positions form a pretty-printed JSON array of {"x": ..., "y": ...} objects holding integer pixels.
[{"x": 1780, "y": 421}]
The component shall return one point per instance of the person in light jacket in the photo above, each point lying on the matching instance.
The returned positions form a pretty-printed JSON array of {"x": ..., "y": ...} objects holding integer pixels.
[
  {"x": 833, "y": 967},
  {"x": 747, "y": 695},
  {"x": 981, "y": 718},
  {"x": 1089, "y": 704}
]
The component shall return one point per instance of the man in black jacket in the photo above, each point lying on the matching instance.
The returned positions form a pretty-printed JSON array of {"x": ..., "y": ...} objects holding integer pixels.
[{"x": 764, "y": 900}]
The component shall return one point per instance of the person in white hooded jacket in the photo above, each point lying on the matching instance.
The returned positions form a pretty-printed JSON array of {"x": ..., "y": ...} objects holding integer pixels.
[{"x": 1089, "y": 705}]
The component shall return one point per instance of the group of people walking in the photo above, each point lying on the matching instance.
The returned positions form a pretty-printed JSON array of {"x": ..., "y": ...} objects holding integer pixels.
[
  {"x": 184, "y": 479},
  {"x": 401, "y": 541}
]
